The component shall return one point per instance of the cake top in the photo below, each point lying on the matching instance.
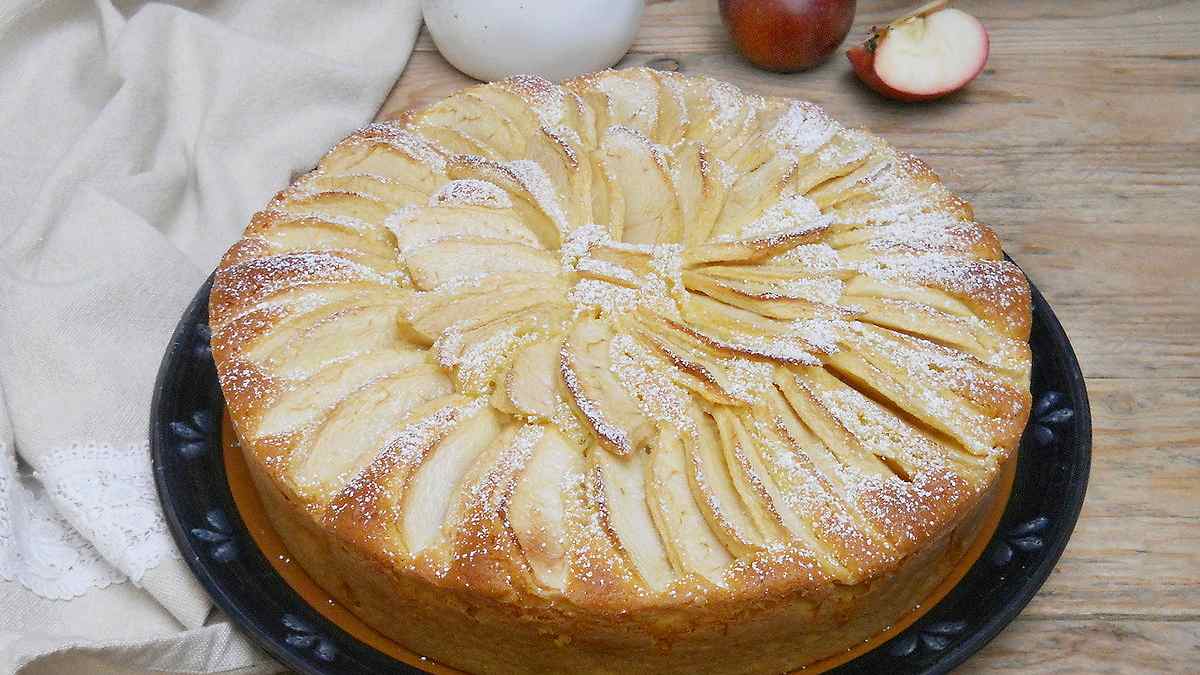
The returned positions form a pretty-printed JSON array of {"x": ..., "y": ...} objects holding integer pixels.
[{"x": 637, "y": 338}]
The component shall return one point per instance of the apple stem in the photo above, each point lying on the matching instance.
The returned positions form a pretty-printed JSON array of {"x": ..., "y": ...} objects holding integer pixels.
[{"x": 924, "y": 10}]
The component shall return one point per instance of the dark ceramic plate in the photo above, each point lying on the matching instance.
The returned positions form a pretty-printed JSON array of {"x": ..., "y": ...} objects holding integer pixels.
[{"x": 1051, "y": 478}]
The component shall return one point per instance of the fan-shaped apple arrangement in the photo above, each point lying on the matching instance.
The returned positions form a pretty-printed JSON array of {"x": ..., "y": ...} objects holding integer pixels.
[{"x": 635, "y": 373}]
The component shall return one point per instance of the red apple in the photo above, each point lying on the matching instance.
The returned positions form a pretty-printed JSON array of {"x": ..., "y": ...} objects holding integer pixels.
[
  {"x": 787, "y": 35},
  {"x": 925, "y": 55}
]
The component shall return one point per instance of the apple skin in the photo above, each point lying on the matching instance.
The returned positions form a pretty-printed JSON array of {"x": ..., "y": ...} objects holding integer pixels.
[
  {"x": 787, "y": 36},
  {"x": 863, "y": 60}
]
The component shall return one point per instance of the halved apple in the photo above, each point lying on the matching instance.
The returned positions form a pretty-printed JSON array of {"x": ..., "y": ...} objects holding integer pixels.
[{"x": 928, "y": 54}]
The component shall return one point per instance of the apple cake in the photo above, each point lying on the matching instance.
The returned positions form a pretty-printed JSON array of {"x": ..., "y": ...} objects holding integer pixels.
[{"x": 633, "y": 373}]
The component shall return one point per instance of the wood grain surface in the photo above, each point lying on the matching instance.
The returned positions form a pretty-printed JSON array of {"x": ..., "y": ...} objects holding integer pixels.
[{"x": 1080, "y": 145}]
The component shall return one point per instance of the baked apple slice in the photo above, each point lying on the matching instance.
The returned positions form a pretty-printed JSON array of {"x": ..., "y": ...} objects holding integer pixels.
[
  {"x": 713, "y": 488},
  {"x": 479, "y": 355},
  {"x": 623, "y": 481},
  {"x": 704, "y": 370},
  {"x": 569, "y": 173},
  {"x": 745, "y": 333},
  {"x": 358, "y": 427},
  {"x": 432, "y": 487},
  {"x": 752, "y": 196},
  {"x": 607, "y": 408},
  {"x": 766, "y": 303},
  {"x": 779, "y": 280},
  {"x": 307, "y": 235},
  {"x": 751, "y": 482},
  {"x": 533, "y": 383},
  {"x": 387, "y": 149},
  {"x": 720, "y": 115},
  {"x": 298, "y": 406},
  {"x": 626, "y": 98},
  {"x": 530, "y": 190},
  {"x": 477, "y": 119},
  {"x": 445, "y": 260},
  {"x": 672, "y": 110},
  {"x": 347, "y": 332},
  {"x": 641, "y": 173},
  {"x": 430, "y": 318},
  {"x": 340, "y": 206},
  {"x": 690, "y": 542},
  {"x": 702, "y": 187},
  {"x": 537, "y": 510},
  {"x": 419, "y": 225}
]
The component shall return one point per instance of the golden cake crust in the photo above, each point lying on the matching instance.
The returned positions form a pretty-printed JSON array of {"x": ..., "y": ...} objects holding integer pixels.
[{"x": 636, "y": 373}]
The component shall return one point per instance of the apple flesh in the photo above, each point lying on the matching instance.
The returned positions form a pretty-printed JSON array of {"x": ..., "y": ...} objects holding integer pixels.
[
  {"x": 787, "y": 35},
  {"x": 923, "y": 56}
]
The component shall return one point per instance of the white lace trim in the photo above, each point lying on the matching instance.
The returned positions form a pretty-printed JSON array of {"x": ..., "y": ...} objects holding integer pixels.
[{"x": 90, "y": 519}]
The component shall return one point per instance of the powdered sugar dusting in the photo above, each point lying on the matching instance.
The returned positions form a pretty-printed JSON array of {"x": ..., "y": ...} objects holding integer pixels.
[
  {"x": 645, "y": 378},
  {"x": 546, "y": 99},
  {"x": 803, "y": 128},
  {"x": 471, "y": 192},
  {"x": 850, "y": 146},
  {"x": 827, "y": 290},
  {"x": 263, "y": 277},
  {"x": 619, "y": 136},
  {"x": 533, "y": 178},
  {"x": 747, "y": 380},
  {"x": 995, "y": 280},
  {"x": 794, "y": 214},
  {"x": 591, "y": 410},
  {"x": 403, "y": 140},
  {"x": 816, "y": 257},
  {"x": 405, "y": 448},
  {"x": 610, "y": 299},
  {"x": 628, "y": 100},
  {"x": 821, "y": 333},
  {"x": 615, "y": 289},
  {"x": 727, "y": 101}
]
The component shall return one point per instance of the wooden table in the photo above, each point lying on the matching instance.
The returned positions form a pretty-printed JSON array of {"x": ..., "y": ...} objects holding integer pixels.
[{"x": 1080, "y": 145}]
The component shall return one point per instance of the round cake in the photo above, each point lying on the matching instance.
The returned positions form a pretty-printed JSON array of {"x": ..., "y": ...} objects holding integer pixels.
[{"x": 635, "y": 373}]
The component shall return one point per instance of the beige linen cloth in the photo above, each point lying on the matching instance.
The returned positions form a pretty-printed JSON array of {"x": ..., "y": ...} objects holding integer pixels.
[{"x": 136, "y": 139}]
